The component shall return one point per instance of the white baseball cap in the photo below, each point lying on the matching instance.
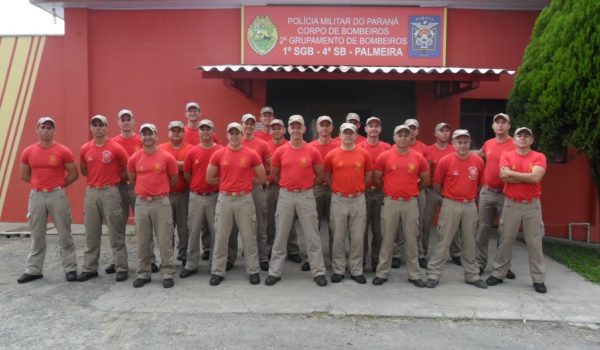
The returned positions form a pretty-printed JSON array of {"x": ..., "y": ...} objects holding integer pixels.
[
  {"x": 192, "y": 105},
  {"x": 347, "y": 126},
  {"x": 441, "y": 125},
  {"x": 400, "y": 128},
  {"x": 150, "y": 126},
  {"x": 501, "y": 115},
  {"x": 175, "y": 124},
  {"x": 352, "y": 116},
  {"x": 524, "y": 129},
  {"x": 266, "y": 109},
  {"x": 234, "y": 125},
  {"x": 42, "y": 120},
  {"x": 277, "y": 122},
  {"x": 412, "y": 122},
  {"x": 296, "y": 118},
  {"x": 324, "y": 118},
  {"x": 460, "y": 132},
  {"x": 101, "y": 118},
  {"x": 125, "y": 112},
  {"x": 248, "y": 116},
  {"x": 373, "y": 119},
  {"x": 206, "y": 122}
]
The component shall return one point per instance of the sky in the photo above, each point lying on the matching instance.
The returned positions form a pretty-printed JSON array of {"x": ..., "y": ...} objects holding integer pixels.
[{"x": 19, "y": 17}]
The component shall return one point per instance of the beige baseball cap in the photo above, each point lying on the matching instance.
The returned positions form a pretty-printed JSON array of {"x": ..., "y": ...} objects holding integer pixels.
[
  {"x": 501, "y": 115},
  {"x": 192, "y": 105},
  {"x": 150, "y": 126},
  {"x": 523, "y": 129},
  {"x": 373, "y": 119},
  {"x": 400, "y": 128},
  {"x": 347, "y": 126},
  {"x": 460, "y": 132},
  {"x": 175, "y": 124},
  {"x": 206, "y": 122},
  {"x": 442, "y": 125},
  {"x": 42, "y": 120},
  {"x": 324, "y": 117},
  {"x": 234, "y": 125},
  {"x": 277, "y": 122},
  {"x": 266, "y": 109},
  {"x": 296, "y": 118},
  {"x": 352, "y": 116},
  {"x": 125, "y": 112},
  {"x": 101, "y": 118},
  {"x": 248, "y": 116},
  {"x": 411, "y": 122}
]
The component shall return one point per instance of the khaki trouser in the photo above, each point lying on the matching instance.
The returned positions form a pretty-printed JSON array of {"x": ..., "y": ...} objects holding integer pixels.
[
  {"x": 56, "y": 204},
  {"x": 240, "y": 211},
  {"x": 490, "y": 204},
  {"x": 179, "y": 207},
  {"x": 394, "y": 213},
  {"x": 399, "y": 248},
  {"x": 154, "y": 216},
  {"x": 260, "y": 203},
  {"x": 455, "y": 215},
  {"x": 530, "y": 215},
  {"x": 128, "y": 199},
  {"x": 104, "y": 204},
  {"x": 272, "y": 200},
  {"x": 323, "y": 200},
  {"x": 374, "y": 201},
  {"x": 348, "y": 219},
  {"x": 302, "y": 204},
  {"x": 201, "y": 211},
  {"x": 433, "y": 200}
]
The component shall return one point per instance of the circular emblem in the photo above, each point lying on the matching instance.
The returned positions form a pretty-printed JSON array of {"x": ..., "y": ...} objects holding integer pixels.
[
  {"x": 473, "y": 173},
  {"x": 412, "y": 168},
  {"x": 106, "y": 156},
  {"x": 262, "y": 35},
  {"x": 243, "y": 162},
  {"x": 53, "y": 160},
  {"x": 157, "y": 168},
  {"x": 303, "y": 162}
]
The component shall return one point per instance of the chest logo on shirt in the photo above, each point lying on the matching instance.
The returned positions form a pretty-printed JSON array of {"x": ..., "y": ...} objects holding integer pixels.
[
  {"x": 303, "y": 162},
  {"x": 107, "y": 156},
  {"x": 157, "y": 168},
  {"x": 513, "y": 167},
  {"x": 243, "y": 162},
  {"x": 487, "y": 154},
  {"x": 412, "y": 168},
  {"x": 358, "y": 165},
  {"x": 53, "y": 160},
  {"x": 340, "y": 164},
  {"x": 196, "y": 161},
  {"x": 473, "y": 173},
  {"x": 530, "y": 167}
]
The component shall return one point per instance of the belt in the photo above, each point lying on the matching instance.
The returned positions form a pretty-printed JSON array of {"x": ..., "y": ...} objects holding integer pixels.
[
  {"x": 398, "y": 198},
  {"x": 46, "y": 190},
  {"x": 523, "y": 201},
  {"x": 372, "y": 188},
  {"x": 102, "y": 187},
  {"x": 348, "y": 195},
  {"x": 296, "y": 190},
  {"x": 234, "y": 194},
  {"x": 203, "y": 193},
  {"x": 149, "y": 199},
  {"x": 497, "y": 190},
  {"x": 460, "y": 200}
]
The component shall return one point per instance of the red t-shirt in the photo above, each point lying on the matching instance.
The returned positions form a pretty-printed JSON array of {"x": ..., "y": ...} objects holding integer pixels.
[
  {"x": 259, "y": 146},
  {"x": 325, "y": 148},
  {"x": 131, "y": 144},
  {"x": 263, "y": 135},
  {"x": 419, "y": 147},
  {"x": 192, "y": 136},
  {"x": 179, "y": 154},
  {"x": 374, "y": 150},
  {"x": 522, "y": 164},
  {"x": 348, "y": 169},
  {"x": 296, "y": 166},
  {"x": 459, "y": 177},
  {"x": 105, "y": 163},
  {"x": 492, "y": 151},
  {"x": 153, "y": 172},
  {"x": 401, "y": 172},
  {"x": 236, "y": 168},
  {"x": 196, "y": 163},
  {"x": 47, "y": 164},
  {"x": 433, "y": 154}
]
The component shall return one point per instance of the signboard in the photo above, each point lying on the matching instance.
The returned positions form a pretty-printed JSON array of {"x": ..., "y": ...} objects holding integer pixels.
[{"x": 366, "y": 36}]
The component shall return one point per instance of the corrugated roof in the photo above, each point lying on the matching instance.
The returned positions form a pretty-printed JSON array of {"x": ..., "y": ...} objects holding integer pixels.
[{"x": 355, "y": 69}]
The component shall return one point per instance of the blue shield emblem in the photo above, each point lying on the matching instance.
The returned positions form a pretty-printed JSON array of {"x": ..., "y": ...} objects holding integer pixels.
[{"x": 424, "y": 36}]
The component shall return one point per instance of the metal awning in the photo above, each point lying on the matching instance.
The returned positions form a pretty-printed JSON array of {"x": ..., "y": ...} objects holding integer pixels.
[{"x": 353, "y": 72}]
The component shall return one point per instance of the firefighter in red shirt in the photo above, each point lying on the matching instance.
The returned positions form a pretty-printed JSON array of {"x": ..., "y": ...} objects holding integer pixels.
[
  {"x": 457, "y": 178},
  {"x": 522, "y": 171},
  {"x": 49, "y": 167},
  {"x": 104, "y": 163},
  {"x": 153, "y": 172}
]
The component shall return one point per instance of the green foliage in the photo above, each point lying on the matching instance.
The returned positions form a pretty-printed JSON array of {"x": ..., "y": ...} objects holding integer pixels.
[
  {"x": 557, "y": 87},
  {"x": 583, "y": 260}
]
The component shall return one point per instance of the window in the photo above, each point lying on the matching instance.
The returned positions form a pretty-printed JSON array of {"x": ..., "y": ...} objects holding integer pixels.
[{"x": 476, "y": 116}]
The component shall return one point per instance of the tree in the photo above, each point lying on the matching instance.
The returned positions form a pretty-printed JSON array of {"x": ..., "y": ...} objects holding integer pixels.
[{"x": 557, "y": 87}]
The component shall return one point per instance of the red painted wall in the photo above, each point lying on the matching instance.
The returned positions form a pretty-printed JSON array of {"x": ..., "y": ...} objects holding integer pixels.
[{"x": 146, "y": 61}]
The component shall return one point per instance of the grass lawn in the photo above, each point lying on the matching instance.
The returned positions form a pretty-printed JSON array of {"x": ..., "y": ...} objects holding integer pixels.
[{"x": 583, "y": 260}]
